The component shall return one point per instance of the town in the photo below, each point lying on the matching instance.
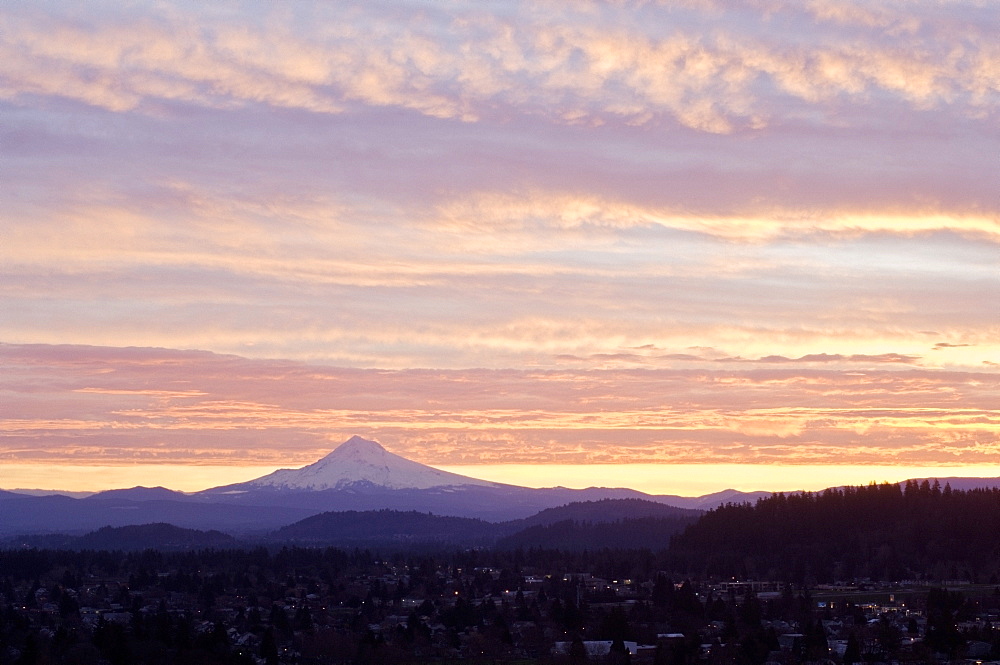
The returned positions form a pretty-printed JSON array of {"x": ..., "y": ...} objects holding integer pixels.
[{"x": 331, "y": 606}]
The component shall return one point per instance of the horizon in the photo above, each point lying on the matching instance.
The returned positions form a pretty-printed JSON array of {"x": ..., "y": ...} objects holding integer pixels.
[
  {"x": 720, "y": 242},
  {"x": 688, "y": 480},
  {"x": 582, "y": 477}
]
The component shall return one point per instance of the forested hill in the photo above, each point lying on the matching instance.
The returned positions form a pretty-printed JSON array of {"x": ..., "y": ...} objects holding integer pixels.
[
  {"x": 885, "y": 532},
  {"x": 607, "y": 510},
  {"x": 641, "y": 533}
]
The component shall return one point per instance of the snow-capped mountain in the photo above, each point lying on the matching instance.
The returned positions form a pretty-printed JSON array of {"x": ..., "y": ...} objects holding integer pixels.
[
  {"x": 359, "y": 460},
  {"x": 359, "y": 475}
]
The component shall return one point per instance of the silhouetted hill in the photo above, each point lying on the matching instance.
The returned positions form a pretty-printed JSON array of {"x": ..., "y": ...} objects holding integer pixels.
[
  {"x": 386, "y": 527},
  {"x": 393, "y": 527},
  {"x": 960, "y": 483},
  {"x": 607, "y": 510},
  {"x": 152, "y": 536},
  {"x": 884, "y": 532},
  {"x": 41, "y": 541},
  {"x": 713, "y": 500},
  {"x": 139, "y": 493},
  {"x": 126, "y": 538},
  {"x": 61, "y": 514},
  {"x": 653, "y": 533},
  {"x": 597, "y": 524}
]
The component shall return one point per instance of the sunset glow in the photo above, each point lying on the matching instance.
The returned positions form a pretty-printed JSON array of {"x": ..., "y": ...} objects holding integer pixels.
[{"x": 679, "y": 247}]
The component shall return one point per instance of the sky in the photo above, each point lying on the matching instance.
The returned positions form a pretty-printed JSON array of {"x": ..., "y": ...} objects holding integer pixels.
[{"x": 678, "y": 246}]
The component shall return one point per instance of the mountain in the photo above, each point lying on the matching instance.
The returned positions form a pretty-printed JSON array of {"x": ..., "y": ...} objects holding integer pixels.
[
  {"x": 358, "y": 461},
  {"x": 714, "y": 500},
  {"x": 140, "y": 494},
  {"x": 361, "y": 475},
  {"x": 37, "y": 492}
]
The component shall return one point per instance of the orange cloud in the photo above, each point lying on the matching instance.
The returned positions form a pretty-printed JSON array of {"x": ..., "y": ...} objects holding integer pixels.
[{"x": 254, "y": 412}]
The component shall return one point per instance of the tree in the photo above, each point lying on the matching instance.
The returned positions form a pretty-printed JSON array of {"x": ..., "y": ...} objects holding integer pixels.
[
  {"x": 618, "y": 653},
  {"x": 852, "y": 654},
  {"x": 269, "y": 648},
  {"x": 577, "y": 651},
  {"x": 615, "y": 626}
]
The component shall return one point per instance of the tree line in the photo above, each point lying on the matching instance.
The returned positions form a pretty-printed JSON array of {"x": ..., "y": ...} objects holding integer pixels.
[{"x": 884, "y": 532}]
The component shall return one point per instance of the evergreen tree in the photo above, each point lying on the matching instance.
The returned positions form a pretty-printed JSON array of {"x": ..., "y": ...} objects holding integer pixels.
[
  {"x": 577, "y": 651},
  {"x": 269, "y": 648},
  {"x": 618, "y": 653},
  {"x": 852, "y": 654}
]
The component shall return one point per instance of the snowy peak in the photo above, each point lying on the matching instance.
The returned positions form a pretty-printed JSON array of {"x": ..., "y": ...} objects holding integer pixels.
[
  {"x": 357, "y": 448},
  {"x": 359, "y": 460}
]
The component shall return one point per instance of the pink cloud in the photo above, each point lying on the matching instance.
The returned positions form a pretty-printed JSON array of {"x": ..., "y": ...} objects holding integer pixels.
[{"x": 100, "y": 405}]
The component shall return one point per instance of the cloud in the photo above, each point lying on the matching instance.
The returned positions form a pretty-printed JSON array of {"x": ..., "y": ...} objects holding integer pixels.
[
  {"x": 625, "y": 359},
  {"x": 730, "y": 189},
  {"x": 541, "y": 210},
  {"x": 93, "y": 405},
  {"x": 707, "y": 70},
  {"x": 895, "y": 358}
]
